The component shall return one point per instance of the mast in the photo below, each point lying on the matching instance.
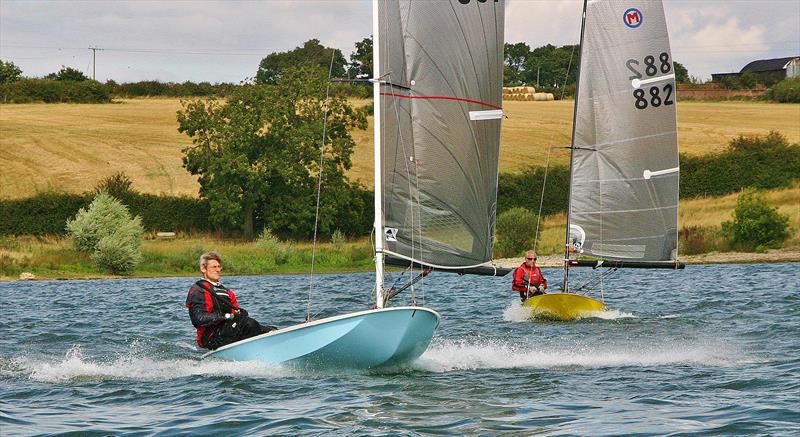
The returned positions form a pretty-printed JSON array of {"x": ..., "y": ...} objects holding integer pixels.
[
  {"x": 376, "y": 109},
  {"x": 572, "y": 152}
]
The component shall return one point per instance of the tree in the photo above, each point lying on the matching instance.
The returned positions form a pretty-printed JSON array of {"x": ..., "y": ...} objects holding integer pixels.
[
  {"x": 514, "y": 65},
  {"x": 257, "y": 155},
  {"x": 67, "y": 73},
  {"x": 730, "y": 83},
  {"x": 311, "y": 53},
  {"x": 748, "y": 80},
  {"x": 361, "y": 59},
  {"x": 681, "y": 73},
  {"x": 551, "y": 66},
  {"x": 9, "y": 72}
]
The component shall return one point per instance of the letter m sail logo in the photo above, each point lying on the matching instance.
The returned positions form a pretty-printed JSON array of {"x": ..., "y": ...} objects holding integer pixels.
[{"x": 632, "y": 18}]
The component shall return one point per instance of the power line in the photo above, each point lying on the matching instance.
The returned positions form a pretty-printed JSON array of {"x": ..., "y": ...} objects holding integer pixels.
[
  {"x": 251, "y": 51},
  {"x": 198, "y": 51}
]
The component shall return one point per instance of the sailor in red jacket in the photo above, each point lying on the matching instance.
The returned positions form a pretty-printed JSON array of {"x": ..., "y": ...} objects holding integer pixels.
[
  {"x": 528, "y": 279},
  {"x": 214, "y": 310}
]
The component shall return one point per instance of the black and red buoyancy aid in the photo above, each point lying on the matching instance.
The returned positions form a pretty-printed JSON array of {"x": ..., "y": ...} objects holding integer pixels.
[{"x": 207, "y": 304}]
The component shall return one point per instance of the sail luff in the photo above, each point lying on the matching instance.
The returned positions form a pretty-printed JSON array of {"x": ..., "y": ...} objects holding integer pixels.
[
  {"x": 565, "y": 285},
  {"x": 376, "y": 96}
]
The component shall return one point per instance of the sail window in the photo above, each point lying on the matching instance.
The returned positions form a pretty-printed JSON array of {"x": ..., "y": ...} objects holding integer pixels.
[{"x": 619, "y": 250}]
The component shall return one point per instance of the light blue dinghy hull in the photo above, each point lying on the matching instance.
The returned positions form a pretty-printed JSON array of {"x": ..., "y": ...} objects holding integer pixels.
[{"x": 363, "y": 340}]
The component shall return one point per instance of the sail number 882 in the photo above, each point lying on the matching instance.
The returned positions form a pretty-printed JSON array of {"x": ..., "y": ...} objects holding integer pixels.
[{"x": 653, "y": 97}]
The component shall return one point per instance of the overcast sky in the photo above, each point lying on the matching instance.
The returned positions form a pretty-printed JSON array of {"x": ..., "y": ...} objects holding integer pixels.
[{"x": 215, "y": 41}]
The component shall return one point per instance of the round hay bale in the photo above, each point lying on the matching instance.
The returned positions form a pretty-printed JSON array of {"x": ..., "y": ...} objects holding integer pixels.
[{"x": 540, "y": 97}]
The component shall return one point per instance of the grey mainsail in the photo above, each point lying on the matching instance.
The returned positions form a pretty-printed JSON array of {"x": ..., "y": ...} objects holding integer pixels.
[
  {"x": 624, "y": 167},
  {"x": 441, "y": 73}
]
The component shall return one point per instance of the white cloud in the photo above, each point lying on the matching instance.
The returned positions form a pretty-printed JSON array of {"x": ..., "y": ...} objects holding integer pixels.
[
  {"x": 716, "y": 37},
  {"x": 540, "y": 22}
]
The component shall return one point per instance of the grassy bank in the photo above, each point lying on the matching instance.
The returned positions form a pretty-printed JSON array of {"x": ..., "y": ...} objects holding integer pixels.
[
  {"x": 54, "y": 257},
  {"x": 70, "y": 147}
]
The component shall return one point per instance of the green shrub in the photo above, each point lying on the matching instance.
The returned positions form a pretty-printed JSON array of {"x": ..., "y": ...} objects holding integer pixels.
[
  {"x": 117, "y": 185},
  {"x": 271, "y": 243},
  {"x": 524, "y": 189},
  {"x": 47, "y": 213},
  {"x": 785, "y": 91},
  {"x": 149, "y": 88},
  {"x": 338, "y": 240},
  {"x": 100, "y": 219},
  {"x": 121, "y": 251},
  {"x": 756, "y": 225},
  {"x": 54, "y": 91},
  {"x": 68, "y": 74},
  {"x": 516, "y": 232},
  {"x": 43, "y": 214},
  {"x": 107, "y": 230}
]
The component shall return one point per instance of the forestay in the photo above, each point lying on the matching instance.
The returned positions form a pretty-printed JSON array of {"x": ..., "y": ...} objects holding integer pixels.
[
  {"x": 624, "y": 187},
  {"x": 442, "y": 72}
]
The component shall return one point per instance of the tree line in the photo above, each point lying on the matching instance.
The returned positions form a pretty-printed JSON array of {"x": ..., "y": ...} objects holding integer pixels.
[{"x": 549, "y": 68}]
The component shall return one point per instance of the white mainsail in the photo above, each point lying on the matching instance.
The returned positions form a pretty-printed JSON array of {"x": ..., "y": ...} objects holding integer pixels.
[
  {"x": 624, "y": 164},
  {"x": 439, "y": 65}
]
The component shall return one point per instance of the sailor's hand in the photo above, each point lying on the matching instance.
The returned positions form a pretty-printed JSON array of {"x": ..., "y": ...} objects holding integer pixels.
[{"x": 541, "y": 288}]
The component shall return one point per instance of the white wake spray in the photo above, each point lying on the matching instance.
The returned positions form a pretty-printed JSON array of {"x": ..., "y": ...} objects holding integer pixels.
[
  {"x": 499, "y": 354},
  {"x": 138, "y": 364}
]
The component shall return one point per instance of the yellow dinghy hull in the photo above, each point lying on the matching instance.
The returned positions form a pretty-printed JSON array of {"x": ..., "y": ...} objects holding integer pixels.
[{"x": 563, "y": 306}]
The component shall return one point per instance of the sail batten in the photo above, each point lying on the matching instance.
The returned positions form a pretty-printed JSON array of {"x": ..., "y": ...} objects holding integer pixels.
[
  {"x": 440, "y": 145},
  {"x": 624, "y": 162}
]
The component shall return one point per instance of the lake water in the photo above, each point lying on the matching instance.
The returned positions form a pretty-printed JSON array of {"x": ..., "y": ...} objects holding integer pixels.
[{"x": 708, "y": 350}]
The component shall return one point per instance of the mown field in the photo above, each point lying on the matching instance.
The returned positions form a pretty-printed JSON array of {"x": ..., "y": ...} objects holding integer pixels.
[{"x": 70, "y": 147}]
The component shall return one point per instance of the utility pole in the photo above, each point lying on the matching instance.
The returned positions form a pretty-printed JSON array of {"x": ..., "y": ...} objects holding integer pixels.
[
  {"x": 537, "y": 75},
  {"x": 94, "y": 61}
]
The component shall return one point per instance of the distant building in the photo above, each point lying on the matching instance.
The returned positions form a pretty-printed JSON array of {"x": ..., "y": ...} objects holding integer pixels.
[{"x": 767, "y": 71}]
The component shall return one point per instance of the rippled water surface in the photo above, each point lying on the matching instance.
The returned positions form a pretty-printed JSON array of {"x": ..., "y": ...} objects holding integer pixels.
[{"x": 708, "y": 350}]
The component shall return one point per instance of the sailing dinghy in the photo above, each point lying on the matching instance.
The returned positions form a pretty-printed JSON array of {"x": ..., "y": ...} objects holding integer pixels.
[
  {"x": 437, "y": 89},
  {"x": 624, "y": 172}
]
